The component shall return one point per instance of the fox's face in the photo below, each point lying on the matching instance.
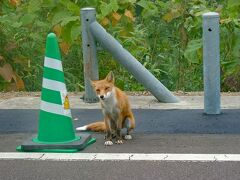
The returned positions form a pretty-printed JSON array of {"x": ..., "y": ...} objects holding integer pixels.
[{"x": 104, "y": 87}]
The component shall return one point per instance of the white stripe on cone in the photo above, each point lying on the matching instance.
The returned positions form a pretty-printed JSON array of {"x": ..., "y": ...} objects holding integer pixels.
[
  {"x": 55, "y": 109},
  {"x": 53, "y": 63},
  {"x": 53, "y": 85}
]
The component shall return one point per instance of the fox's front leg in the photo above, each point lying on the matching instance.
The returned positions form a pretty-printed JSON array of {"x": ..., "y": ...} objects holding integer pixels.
[
  {"x": 118, "y": 131},
  {"x": 108, "y": 138}
]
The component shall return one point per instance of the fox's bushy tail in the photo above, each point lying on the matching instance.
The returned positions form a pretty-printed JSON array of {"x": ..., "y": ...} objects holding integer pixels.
[{"x": 96, "y": 126}]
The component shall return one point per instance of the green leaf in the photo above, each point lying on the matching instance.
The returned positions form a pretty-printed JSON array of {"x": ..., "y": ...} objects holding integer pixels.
[
  {"x": 59, "y": 16},
  {"x": 232, "y": 3},
  {"x": 143, "y": 3},
  {"x": 201, "y": 12},
  {"x": 66, "y": 20},
  {"x": 72, "y": 7},
  {"x": 114, "y": 5},
  {"x": 48, "y": 3},
  {"x": 105, "y": 9},
  {"x": 75, "y": 32},
  {"x": 150, "y": 9},
  {"x": 66, "y": 33},
  {"x": 34, "y": 6},
  {"x": 27, "y": 19},
  {"x": 191, "y": 52},
  {"x": 17, "y": 24}
]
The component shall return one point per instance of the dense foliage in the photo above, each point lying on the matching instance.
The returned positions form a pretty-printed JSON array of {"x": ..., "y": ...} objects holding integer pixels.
[{"x": 164, "y": 35}]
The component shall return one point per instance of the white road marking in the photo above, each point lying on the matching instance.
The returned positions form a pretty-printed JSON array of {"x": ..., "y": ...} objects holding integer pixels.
[
  {"x": 119, "y": 157},
  {"x": 10, "y": 155}
]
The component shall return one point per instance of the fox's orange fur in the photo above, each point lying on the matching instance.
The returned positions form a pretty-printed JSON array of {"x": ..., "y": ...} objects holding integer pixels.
[{"x": 115, "y": 108}]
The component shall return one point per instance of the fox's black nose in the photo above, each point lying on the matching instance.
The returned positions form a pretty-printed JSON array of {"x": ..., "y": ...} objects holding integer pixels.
[{"x": 102, "y": 97}]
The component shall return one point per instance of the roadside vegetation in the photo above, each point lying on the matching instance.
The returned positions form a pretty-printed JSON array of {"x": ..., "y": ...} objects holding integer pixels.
[{"x": 164, "y": 35}]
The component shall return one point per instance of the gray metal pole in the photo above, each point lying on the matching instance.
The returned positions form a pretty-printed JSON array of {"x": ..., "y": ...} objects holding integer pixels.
[
  {"x": 211, "y": 63},
  {"x": 88, "y": 15},
  {"x": 132, "y": 64}
]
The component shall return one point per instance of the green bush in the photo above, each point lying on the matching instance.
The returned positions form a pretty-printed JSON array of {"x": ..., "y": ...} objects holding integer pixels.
[{"x": 164, "y": 35}]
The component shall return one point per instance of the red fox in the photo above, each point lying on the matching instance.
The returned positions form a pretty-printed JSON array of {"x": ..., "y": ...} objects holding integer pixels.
[{"x": 116, "y": 111}]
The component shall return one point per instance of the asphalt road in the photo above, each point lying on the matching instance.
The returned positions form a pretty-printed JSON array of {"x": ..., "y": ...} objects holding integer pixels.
[
  {"x": 157, "y": 131},
  {"x": 118, "y": 170},
  {"x": 147, "y": 121}
]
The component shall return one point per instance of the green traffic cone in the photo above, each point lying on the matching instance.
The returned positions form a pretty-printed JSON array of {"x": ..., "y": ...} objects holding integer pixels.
[
  {"x": 56, "y": 132},
  {"x": 55, "y": 123}
]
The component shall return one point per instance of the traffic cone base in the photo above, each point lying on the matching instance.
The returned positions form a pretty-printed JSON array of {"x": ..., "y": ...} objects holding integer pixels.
[
  {"x": 56, "y": 132},
  {"x": 70, "y": 147}
]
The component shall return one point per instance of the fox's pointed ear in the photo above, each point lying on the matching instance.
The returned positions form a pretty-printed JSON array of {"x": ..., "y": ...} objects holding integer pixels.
[{"x": 110, "y": 77}]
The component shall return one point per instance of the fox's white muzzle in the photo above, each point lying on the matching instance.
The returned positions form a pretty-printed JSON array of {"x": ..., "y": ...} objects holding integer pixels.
[{"x": 105, "y": 96}]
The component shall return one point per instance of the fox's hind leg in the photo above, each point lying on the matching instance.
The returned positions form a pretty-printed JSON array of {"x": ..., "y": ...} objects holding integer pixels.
[{"x": 129, "y": 123}]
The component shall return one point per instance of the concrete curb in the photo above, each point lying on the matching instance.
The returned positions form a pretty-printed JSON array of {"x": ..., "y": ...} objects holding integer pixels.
[{"x": 137, "y": 102}]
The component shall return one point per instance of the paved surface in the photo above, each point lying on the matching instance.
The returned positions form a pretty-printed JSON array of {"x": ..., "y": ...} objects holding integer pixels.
[
  {"x": 137, "y": 102},
  {"x": 148, "y": 143},
  {"x": 147, "y": 120},
  {"x": 157, "y": 131},
  {"x": 179, "y": 128},
  {"x": 118, "y": 170}
]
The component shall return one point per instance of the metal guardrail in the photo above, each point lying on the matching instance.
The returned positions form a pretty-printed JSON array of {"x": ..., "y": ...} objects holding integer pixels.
[{"x": 90, "y": 29}]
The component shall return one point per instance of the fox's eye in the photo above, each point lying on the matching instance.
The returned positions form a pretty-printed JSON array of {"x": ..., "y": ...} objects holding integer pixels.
[
  {"x": 98, "y": 90},
  {"x": 107, "y": 88}
]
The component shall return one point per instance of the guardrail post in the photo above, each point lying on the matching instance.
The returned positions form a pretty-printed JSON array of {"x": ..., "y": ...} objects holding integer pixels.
[
  {"x": 211, "y": 63},
  {"x": 88, "y": 15}
]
